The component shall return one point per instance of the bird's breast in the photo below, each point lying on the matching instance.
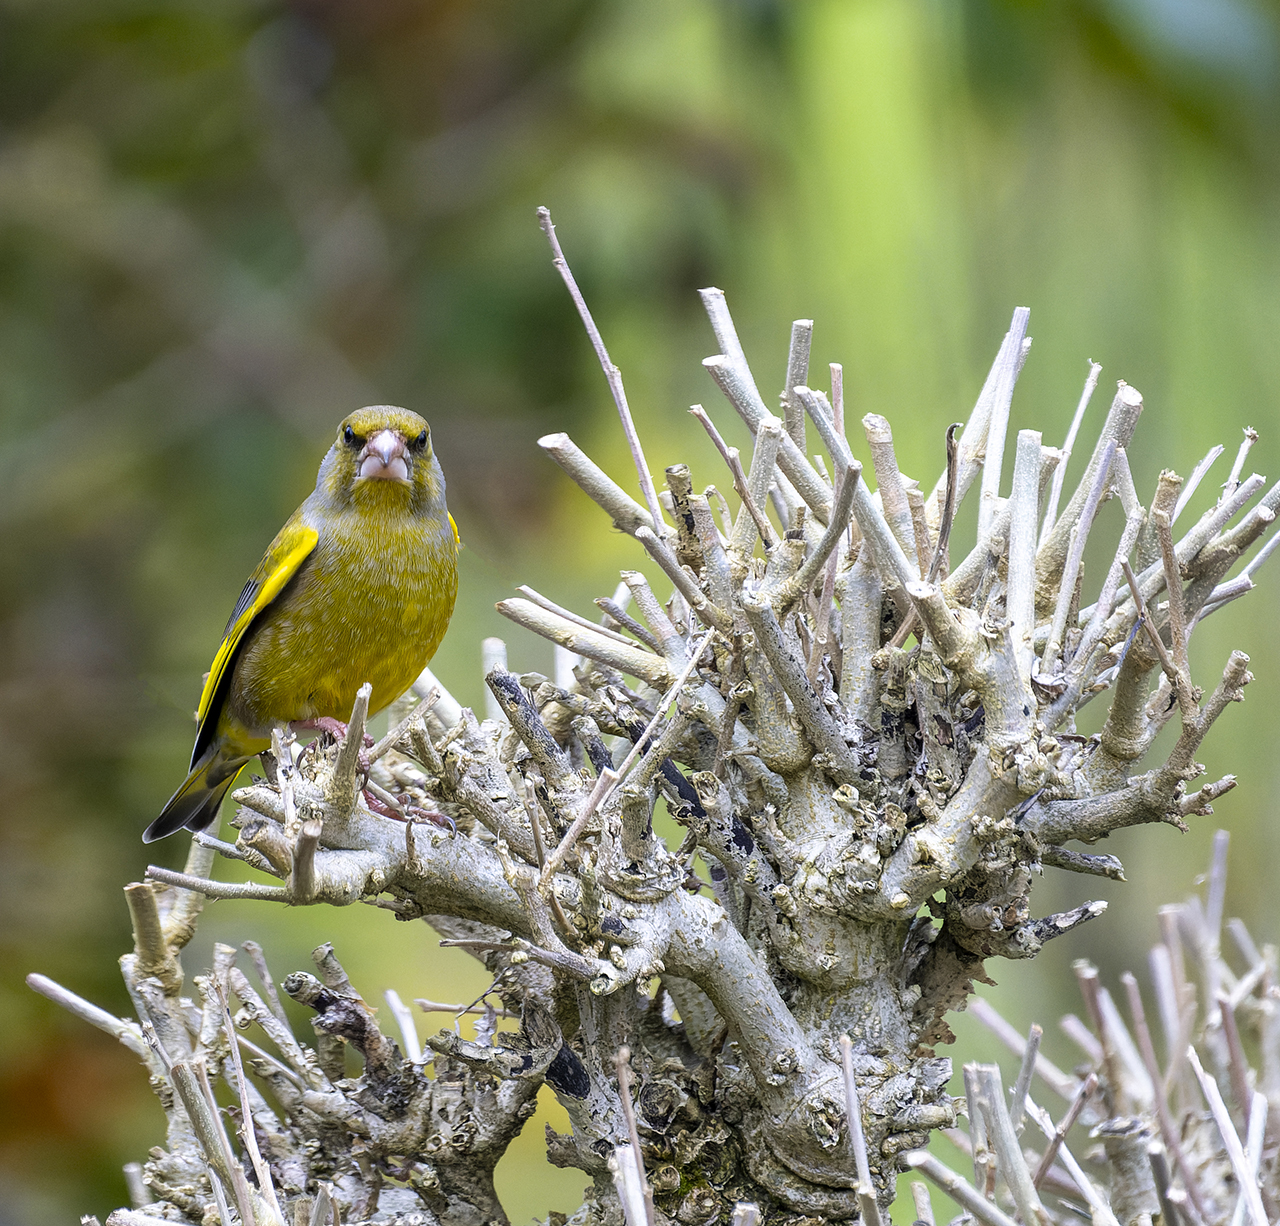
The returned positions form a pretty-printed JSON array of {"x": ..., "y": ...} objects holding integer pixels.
[{"x": 370, "y": 604}]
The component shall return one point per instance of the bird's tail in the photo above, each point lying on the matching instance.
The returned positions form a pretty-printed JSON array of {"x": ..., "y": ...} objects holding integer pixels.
[{"x": 195, "y": 804}]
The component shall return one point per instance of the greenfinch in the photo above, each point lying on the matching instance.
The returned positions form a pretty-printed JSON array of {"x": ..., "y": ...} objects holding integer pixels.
[{"x": 357, "y": 587}]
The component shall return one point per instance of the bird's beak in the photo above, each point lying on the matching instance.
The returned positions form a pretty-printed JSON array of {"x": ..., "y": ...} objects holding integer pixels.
[{"x": 384, "y": 456}]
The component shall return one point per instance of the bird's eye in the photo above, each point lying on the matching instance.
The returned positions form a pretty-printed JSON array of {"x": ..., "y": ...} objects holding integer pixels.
[
  {"x": 420, "y": 442},
  {"x": 350, "y": 437}
]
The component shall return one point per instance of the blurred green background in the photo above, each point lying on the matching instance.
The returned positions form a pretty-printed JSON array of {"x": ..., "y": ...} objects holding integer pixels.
[{"x": 225, "y": 223}]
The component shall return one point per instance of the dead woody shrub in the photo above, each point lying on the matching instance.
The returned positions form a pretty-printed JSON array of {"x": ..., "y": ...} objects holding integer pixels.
[
  {"x": 873, "y": 752},
  {"x": 1188, "y": 1141}
]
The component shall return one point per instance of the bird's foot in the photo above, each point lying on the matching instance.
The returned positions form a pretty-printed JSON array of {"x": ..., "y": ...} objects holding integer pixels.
[
  {"x": 382, "y": 809},
  {"x": 434, "y": 816},
  {"x": 412, "y": 813},
  {"x": 326, "y": 723}
]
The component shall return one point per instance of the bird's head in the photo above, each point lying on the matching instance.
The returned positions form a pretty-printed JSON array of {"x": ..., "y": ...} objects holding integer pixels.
[{"x": 382, "y": 457}]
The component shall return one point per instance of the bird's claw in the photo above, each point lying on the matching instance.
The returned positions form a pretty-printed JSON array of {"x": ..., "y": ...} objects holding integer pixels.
[
  {"x": 412, "y": 813},
  {"x": 434, "y": 816},
  {"x": 334, "y": 727}
]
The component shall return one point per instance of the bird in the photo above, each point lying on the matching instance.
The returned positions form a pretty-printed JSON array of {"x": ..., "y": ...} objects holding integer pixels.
[{"x": 358, "y": 586}]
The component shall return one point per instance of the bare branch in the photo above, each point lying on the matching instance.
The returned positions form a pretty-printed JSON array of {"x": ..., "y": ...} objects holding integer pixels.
[
  {"x": 608, "y": 780},
  {"x": 1060, "y": 473},
  {"x": 1231, "y": 1139},
  {"x": 341, "y": 789},
  {"x": 1193, "y": 482},
  {"x": 123, "y": 1032},
  {"x": 893, "y": 494},
  {"x": 611, "y": 372},
  {"x": 593, "y": 643},
  {"x": 741, "y": 393},
  {"x": 622, "y": 1066},
  {"x": 1087, "y": 1087},
  {"x": 662, "y": 553},
  {"x": 797, "y": 373},
  {"x": 763, "y": 466},
  {"x": 853, "y": 1113},
  {"x": 1020, "y": 597},
  {"x": 626, "y": 513},
  {"x": 956, "y": 1187},
  {"x": 1246, "y": 445},
  {"x": 1012, "y": 357},
  {"x": 1075, "y": 555},
  {"x": 1118, "y": 429}
]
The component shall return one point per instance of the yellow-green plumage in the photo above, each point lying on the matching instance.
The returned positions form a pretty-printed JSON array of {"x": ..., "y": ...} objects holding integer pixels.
[{"x": 358, "y": 586}]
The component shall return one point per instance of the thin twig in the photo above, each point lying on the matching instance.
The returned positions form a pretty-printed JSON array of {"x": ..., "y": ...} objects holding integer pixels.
[
  {"x": 404, "y": 1020},
  {"x": 229, "y": 851},
  {"x": 625, "y": 620},
  {"x": 938, "y": 566},
  {"x": 1236, "y": 1063},
  {"x": 139, "y": 1193},
  {"x": 797, "y": 372},
  {"x": 435, "y": 1006},
  {"x": 923, "y": 1206},
  {"x": 731, "y": 458},
  {"x": 323, "y": 1210},
  {"x": 1075, "y": 555},
  {"x": 1253, "y": 1150},
  {"x": 1177, "y": 612},
  {"x": 1164, "y": 1116},
  {"x": 627, "y": 514},
  {"x": 276, "y": 1066},
  {"x": 1060, "y": 1132},
  {"x": 595, "y": 644},
  {"x": 822, "y": 628},
  {"x": 122, "y": 1031},
  {"x": 248, "y": 1132},
  {"x": 1162, "y": 652},
  {"x": 1216, "y": 896},
  {"x": 1193, "y": 482},
  {"x": 998, "y": 424},
  {"x": 1060, "y": 473},
  {"x": 1160, "y": 1175},
  {"x": 958, "y": 1188},
  {"x": 609, "y": 779},
  {"x": 837, "y": 394},
  {"x": 622, "y": 1066},
  {"x": 664, "y": 555},
  {"x": 889, "y": 482},
  {"x": 493, "y": 654},
  {"x": 1062, "y": 1084},
  {"x": 282, "y": 743},
  {"x": 1004, "y": 1140},
  {"x": 611, "y": 372},
  {"x": 1018, "y": 1106},
  {"x": 220, "y": 889},
  {"x": 1246, "y": 445},
  {"x": 857, "y": 1140},
  {"x": 302, "y": 880},
  {"x": 389, "y": 742},
  {"x": 1020, "y": 593},
  {"x": 1102, "y": 1215},
  {"x": 1230, "y": 1138}
]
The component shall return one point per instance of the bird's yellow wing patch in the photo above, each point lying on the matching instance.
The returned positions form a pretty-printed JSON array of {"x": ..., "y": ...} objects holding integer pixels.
[
  {"x": 285, "y": 554},
  {"x": 457, "y": 540}
]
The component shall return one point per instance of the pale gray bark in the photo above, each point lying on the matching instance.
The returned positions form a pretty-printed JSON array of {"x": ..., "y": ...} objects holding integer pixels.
[{"x": 872, "y": 814}]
